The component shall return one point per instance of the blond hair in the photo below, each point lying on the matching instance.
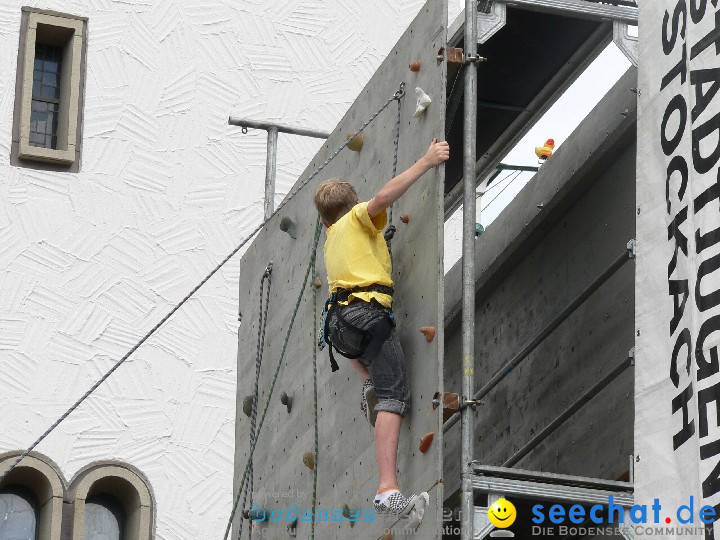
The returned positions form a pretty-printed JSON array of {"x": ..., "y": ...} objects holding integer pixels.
[{"x": 334, "y": 198}]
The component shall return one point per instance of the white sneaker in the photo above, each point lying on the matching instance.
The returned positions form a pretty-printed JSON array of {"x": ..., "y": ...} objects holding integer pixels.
[{"x": 396, "y": 504}]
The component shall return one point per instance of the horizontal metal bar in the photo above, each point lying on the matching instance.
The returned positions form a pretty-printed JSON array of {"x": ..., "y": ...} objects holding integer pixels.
[
  {"x": 549, "y": 491},
  {"x": 507, "y": 167},
  {"x": 567, "y": 413},
  {"x": 564, "y": 314},
  {"x": 580, "y": 8},
  {"x": 241, "y": 122},
  {"x": 500, "y": 106},
  {"x": 548, "y": 477}
]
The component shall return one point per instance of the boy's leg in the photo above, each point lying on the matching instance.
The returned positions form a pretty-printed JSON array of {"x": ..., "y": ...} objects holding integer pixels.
[
  {"x": 393, "y": 393},
  {"x": 387, "y": 435},
  {"x": 360, "y": 368}
]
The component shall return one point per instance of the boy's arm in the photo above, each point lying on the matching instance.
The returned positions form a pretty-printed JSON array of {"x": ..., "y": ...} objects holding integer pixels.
[{"x": 394, "y": 189}]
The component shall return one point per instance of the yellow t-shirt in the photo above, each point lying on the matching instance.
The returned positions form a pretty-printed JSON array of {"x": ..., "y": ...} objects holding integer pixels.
[{"x": 356, "y": 254}]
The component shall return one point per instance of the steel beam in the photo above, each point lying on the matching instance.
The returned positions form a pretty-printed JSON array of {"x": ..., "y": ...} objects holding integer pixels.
[
  {"x": 547, "y": 330},
  {"x": 579, "y": 8},
  {"x": 270, "y": 170},
  {"x": 572, "y": 409},
  {"x": 281, "y": 128},
  {"x": 467, "y": 521}
]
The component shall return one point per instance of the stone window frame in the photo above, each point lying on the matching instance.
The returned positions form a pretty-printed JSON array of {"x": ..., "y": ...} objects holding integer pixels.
[
  {"x": 121, "y": 482},
  {"x": 70, "y": 32},
  {"x": 43, "y": 478}
]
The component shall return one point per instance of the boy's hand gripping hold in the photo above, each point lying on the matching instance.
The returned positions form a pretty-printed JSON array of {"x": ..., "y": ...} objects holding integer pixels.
[{"x": 438, "y": 153}]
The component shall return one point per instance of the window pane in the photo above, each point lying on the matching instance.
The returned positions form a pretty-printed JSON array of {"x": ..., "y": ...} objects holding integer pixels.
[
  {"x": 104, "y": 519},
  {"x": 37, "y": 139},
  {"x": 50, "y": 79},
  {"x": 52, "y": 66},
  {"x": 18, "y": 519},
  {"x": 50, "y": 92},
  {"x": 39, "y": 106},
  {"x": 36, "y": 89},
  {"x": 37, "y": 121}
]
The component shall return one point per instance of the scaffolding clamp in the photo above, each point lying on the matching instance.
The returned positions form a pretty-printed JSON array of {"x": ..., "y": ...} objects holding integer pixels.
[
  {"x": 477, "y": 58},
  {"x": 472, "y": 403}
]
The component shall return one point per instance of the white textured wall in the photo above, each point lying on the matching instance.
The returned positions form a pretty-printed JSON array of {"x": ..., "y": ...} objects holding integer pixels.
[{"x": 90, "y": 261}]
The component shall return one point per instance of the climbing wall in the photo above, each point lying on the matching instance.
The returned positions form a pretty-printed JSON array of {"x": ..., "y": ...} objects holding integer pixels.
[{"x": 346, "y": 460}]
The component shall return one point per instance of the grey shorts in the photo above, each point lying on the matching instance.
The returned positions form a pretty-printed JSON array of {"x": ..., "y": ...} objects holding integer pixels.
[{"x": 383, "y": 355}]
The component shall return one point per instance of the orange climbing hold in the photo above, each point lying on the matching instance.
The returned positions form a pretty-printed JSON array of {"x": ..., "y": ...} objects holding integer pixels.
[
  {"x": 428, "y": 332},
  {"x": 415, "y": 66},
  {"x": 309, "y": 460},
  {"x": 405, "y": 218},
  {"x": 426, "y": 441}
]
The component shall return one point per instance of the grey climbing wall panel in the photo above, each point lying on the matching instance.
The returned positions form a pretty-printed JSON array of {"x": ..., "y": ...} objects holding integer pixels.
[{"x": 346, "y": 462}]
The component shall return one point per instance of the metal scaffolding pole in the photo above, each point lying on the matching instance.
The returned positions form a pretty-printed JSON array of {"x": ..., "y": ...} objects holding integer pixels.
[
  {"x": 468, "y": 267},
  {"x": 270, "y": 170},
  {"x": 272, "y": 137}
]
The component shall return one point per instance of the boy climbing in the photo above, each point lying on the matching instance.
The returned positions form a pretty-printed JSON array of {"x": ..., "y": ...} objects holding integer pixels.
[{"x": 359, "y": 322}]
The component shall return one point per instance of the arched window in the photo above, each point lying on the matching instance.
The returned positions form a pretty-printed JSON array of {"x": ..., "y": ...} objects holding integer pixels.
[
  {"x": 31, "y": 499},
  {"x": 18, "y": 513},
  {"x": 105, "y": 518},
  {"x": 112, "y": 502}
]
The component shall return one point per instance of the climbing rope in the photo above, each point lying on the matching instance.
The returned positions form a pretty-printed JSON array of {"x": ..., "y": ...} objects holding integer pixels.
[
  {"x": 315, "y": 400},
  {"x": 396, "y": 96},
  {"x": 313, "y": 253},
  {"x": 390, "y": 231},
  {"x": 517, "y": 174},
  {"x": 262, "y": 323}
]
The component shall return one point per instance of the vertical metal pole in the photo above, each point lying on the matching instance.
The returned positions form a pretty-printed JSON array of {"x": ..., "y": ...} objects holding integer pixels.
[
  {"x": 272, "y": 137},
  {"x": 468, "y": 268}
]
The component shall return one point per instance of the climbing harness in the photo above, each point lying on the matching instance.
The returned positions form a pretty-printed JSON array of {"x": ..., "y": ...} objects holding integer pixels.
[
  {"x": 262, "y": 323},
  {"x": 347, "y": 339}
]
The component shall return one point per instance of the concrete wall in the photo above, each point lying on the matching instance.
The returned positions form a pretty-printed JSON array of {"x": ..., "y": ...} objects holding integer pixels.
[
  {"x": 346, "y": 470},
  {"x": 90, "y": 261},
  {"x": 531, "y": 263}
]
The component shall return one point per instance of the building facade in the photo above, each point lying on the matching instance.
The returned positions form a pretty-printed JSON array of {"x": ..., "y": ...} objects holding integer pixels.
[{"x": 121, "y": 187}]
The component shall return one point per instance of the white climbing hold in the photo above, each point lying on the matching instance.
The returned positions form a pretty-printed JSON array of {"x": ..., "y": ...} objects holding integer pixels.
[{"x": 423, "y": 101}]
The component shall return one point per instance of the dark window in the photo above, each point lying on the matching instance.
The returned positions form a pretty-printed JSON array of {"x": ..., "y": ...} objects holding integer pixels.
[
  {"x": 104, "y": 518},
  {"x": 18, "y": 514},
  {"x": 45, "y": 96}
]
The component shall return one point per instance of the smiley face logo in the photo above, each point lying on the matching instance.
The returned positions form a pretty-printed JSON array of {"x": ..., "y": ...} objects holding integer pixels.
[{"x": 502, "y": 513}]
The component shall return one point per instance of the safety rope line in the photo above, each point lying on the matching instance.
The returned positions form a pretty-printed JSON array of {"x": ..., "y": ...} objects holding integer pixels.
[
  {"x": 262, "y": 323},
  {"x": 396, "y": 96},
  {"x": 503, "y": 189},
  {"x": 390, "y": 230},
  {"x": 313, "y": 253},
  {"x": 315, "y": 401}
]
